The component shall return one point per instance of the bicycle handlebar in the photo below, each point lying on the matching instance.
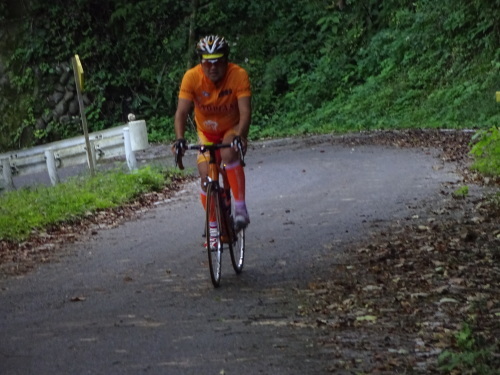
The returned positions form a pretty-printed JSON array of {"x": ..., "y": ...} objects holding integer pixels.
[
  {"x": 210, "y": 148},
  {"x": 203, "y": 148}
]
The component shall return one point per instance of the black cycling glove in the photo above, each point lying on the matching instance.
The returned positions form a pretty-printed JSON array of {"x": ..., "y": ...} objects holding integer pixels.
[
  {"x": 179, "y": 147},
  {"x": 180, "y": 144}
]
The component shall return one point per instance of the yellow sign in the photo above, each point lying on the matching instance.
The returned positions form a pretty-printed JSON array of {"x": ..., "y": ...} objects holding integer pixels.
[
  {"x": 79, "y": 71},
  {"x": 498, "y": 96}
]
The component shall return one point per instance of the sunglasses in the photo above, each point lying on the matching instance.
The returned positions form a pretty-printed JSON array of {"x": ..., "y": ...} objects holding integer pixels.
[{"x": 208, "y": 63}]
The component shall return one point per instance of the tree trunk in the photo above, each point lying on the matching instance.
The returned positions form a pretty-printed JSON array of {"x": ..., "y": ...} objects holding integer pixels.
[{"x": 192, "y": 36}]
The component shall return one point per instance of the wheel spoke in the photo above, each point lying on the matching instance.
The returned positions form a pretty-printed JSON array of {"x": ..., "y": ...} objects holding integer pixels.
[
  {"x": 214, "y": 253},
  {"x": 237, "y": 249}
]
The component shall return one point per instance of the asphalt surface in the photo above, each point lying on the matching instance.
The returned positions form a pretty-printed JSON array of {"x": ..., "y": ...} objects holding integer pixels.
[{"x": 138, "y": 298}]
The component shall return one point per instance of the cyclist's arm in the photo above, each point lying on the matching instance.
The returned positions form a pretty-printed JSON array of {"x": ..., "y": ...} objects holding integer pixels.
[
  {"x": 181, "y": 114},
  {"x": 245, "y": 108}
]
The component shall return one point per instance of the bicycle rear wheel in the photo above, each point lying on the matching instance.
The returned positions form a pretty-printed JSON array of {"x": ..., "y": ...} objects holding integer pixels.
[{"x": 214, "y": 252}]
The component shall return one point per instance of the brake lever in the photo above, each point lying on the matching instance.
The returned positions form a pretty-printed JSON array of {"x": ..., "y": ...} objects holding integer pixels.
[
  {"x": 178, "y": 158},
  {"x": 240, "y": 149}
]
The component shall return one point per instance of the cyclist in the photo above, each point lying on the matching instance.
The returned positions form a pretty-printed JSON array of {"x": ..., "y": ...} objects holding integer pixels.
[{"x": 221, "y": 94}]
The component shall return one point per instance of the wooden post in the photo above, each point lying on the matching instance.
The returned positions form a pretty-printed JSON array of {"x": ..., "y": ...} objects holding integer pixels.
[{"x": 77, "y": 69}]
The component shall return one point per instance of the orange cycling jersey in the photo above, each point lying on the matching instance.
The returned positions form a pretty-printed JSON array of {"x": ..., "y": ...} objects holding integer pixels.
[{"x": 215, "y": 106}]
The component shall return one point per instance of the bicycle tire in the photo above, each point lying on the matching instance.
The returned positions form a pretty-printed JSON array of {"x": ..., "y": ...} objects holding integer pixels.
[
  {"x": 237, "y": 248},
  {"x": 214, "y": 255}
]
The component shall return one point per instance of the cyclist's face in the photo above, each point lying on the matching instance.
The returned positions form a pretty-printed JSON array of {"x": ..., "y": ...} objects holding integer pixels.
[{"x": 214, "y": 69}]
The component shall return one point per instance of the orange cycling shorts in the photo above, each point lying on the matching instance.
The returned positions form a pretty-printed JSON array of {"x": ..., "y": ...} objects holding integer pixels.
[{"x": 204, "y": 139}]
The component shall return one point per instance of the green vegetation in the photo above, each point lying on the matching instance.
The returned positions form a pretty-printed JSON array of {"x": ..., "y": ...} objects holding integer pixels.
[
  {"x": 461, "y": 192},
  {"x": 316, "y": 66},
  {"x": 25, "y": 210},
  {"x": 486, "y": 152},
  {"x": 470, "y": 357}
]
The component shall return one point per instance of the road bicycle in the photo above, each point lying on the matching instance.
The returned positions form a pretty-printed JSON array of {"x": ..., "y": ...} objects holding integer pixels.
[{"x": 220, "y": 207}]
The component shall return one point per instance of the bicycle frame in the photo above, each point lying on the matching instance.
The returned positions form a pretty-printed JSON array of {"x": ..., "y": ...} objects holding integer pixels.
[
  {"x": 213, "y": 177},
  {"x": 215, "y": 171},
  {"x": 217, "y": 207}
]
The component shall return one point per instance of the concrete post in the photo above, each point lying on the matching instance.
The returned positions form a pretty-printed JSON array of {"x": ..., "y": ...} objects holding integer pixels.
[
  {"x": 93, "y": 154},
  {"x": 51, "y": 166},
  {"x": 129, "y": 154},
  {"x": 7, "y": 175},
  {"x": 138, "y": 135}
]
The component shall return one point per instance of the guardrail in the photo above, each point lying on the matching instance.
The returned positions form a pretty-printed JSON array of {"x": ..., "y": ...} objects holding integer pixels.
[{"x": 105, "y": 144}]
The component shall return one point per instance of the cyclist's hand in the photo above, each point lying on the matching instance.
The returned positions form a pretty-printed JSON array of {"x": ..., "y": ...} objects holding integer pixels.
[
  {"x": 178, "y": 148},
  {"x": 240, "y": 143}
]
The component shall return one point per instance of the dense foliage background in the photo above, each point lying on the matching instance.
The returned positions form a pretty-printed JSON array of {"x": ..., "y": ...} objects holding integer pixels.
[{"x": 315, "y": 65}]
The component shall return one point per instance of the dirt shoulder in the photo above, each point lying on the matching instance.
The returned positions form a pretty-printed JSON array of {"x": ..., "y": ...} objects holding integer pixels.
[{"x": 395, "y": 302}]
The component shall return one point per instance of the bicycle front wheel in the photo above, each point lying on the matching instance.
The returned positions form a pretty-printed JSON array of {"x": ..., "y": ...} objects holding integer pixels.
[
  {"x": 237, "y": 250},
  {"x": 214, "y": 243}
]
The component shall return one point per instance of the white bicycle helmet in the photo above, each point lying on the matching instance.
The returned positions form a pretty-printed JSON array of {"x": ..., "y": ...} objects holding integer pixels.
[{"x": 212, "y": 47}]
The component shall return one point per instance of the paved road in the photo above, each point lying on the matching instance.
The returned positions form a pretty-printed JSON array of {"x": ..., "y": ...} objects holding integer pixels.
[{"x": 138, "y": 299}]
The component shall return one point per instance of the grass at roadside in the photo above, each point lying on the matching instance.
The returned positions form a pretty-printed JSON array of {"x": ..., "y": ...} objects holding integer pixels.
[
  {"x": 486, "y": 152},
  {"x": 27, "y": 209}
]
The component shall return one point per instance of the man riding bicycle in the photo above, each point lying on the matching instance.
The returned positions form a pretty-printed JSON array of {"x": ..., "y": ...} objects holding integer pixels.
[{"x": 221, "y": 94}]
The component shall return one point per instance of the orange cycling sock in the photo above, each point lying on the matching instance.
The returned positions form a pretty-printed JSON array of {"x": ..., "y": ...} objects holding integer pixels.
[
  {"x": 203, "y": 199},
  {"x": 236, "y": 177}
]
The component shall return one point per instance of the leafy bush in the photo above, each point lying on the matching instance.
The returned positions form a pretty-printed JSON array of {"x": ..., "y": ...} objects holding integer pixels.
[
  {"x": 469, "y": 357},
  {"x": 315, "y": 66},
  {"x": 486, "y": 152}
]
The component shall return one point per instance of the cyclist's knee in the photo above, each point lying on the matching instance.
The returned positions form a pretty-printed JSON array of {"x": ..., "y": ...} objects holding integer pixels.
[
  {"x": 229, "y": 155},
  {"x": 203, "y": 184},
  {"x": 203, "y": 171}
]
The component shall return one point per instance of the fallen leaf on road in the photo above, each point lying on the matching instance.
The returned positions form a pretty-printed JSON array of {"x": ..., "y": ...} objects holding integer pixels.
[{"x": 366, "y": 318}]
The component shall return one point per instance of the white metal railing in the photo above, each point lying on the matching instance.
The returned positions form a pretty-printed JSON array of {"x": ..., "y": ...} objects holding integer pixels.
[{"x": 105, "y": 144}]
